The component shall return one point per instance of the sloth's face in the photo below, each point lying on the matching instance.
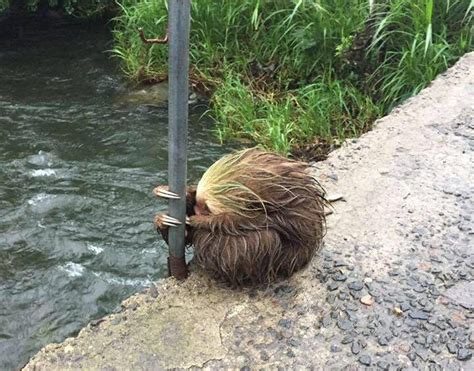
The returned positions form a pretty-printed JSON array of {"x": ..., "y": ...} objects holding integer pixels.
[{"x": 201, "y": 208}]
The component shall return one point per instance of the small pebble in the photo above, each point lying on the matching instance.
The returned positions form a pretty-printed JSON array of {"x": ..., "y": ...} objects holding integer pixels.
[
  {"x": 367, "y": 300},
  {"x": 383, "y": 365},
  {"x": 365, "y": 360},
  {"x": 286, "y": 323},
  {"x": 115, "y": 321},
  {"x": 397, "y": 311},
  {"x": 347, "y": 339},
  {"x": 464, "y": 354},
  {"x": 326, "y": 321},
  {"x": 355, "y": 348},
  {"x": 356, "y": 286},
  {"x": 335, "y": 348},
  {"x": 404, "y": 306},
  {"x": 418, "y": 314},
  {"x": 153, "y": 291},
  {"x": 382, "y": 340},
  {"x": 340, "y": 277},
  {"x": 344, "y": 324},
  {"x": 423, "y": 354}
]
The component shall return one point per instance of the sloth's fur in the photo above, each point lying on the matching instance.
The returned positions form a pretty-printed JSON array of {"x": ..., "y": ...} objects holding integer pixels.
[{"x": 260, "y": 216}]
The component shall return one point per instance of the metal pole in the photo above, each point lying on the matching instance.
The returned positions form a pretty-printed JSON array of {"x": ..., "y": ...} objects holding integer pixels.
[{"x": 178, "y": 29}]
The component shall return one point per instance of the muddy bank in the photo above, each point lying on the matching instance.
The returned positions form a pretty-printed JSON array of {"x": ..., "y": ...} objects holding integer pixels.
[{"x": 391, "y": 289}]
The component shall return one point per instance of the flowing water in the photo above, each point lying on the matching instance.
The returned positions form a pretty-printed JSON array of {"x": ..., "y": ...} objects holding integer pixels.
[{"x": 78, "y": 162}]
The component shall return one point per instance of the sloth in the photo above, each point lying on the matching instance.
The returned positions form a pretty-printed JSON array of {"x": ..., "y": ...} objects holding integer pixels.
[{"x": 254, "y": 217}]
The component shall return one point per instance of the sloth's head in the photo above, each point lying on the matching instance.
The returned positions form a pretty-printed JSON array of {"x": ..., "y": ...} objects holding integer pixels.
[
  {"x": 226, "y": 187},
  {"x": 250, "y": 181}
]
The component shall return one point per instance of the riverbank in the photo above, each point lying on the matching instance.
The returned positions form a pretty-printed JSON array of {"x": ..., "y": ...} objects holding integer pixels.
[
  {"x": 392, "y": 286},
  {"x": 299, "y": 77}
]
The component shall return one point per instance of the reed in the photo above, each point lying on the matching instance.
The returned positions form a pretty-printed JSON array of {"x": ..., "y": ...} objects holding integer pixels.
[{"x": 287, "y": 74}]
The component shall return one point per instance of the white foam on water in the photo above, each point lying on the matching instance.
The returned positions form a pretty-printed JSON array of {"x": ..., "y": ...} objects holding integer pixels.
[
  {"x": 43, "y": 172},
  {"x": 96, "y": 250},
  {"x": 113, "y": 280},
  {"x": 73, "y": 269},
  {"x": 38, "y": 198}
]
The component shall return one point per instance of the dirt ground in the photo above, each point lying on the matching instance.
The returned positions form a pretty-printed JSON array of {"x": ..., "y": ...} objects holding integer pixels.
[{"x": 392, "y": 288}]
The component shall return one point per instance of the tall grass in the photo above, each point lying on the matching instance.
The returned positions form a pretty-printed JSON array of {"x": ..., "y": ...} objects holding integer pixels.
[{"x": 290, "y": 73}]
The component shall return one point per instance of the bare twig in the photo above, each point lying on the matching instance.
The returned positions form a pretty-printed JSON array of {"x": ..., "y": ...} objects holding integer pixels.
[{"x": 152, "y": 41}]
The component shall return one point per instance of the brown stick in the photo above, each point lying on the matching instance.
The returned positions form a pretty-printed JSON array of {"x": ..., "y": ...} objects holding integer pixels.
[{"x": 152, "y": 41}]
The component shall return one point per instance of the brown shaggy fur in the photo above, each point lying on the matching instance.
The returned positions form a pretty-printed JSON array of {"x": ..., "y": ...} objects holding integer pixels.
[{"x": 274, "y": 233}]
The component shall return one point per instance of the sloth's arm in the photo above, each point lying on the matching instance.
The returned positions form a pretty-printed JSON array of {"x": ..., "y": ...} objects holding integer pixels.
[
  {"x": 228, "y": 224},
  {"x": 190, "y": 202}
]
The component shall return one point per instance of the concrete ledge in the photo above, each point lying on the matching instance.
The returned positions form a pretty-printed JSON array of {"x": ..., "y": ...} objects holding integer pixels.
[{"x": 392, "y": 287}]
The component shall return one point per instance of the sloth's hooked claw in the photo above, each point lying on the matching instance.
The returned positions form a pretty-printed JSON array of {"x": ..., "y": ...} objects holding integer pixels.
[
  {"x": 168, "y": 220},
  {"x": 162, "y": 191}
]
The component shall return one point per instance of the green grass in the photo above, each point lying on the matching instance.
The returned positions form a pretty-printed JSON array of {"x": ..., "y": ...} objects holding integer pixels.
[{"x": 288, "y": 74}]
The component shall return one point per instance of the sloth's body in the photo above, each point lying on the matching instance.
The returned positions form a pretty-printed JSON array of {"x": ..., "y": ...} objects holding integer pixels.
[{"x": 254, "y": 216}]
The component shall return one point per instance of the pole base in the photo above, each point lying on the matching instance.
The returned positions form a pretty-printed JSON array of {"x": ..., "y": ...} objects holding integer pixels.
[{"x": 177, "y": 267}]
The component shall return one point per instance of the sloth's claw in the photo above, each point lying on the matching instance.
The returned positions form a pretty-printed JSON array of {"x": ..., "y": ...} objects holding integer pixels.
[
  {"x": 162, "y": 191},
  {"x": 166, "y": 220},
  {"x": 170, "y": 221}
]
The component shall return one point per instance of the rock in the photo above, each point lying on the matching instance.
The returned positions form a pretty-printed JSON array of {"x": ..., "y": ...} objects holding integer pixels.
[
  {"x": 286, "y": 323},
  {"x": 335, "y": 348},
  {"x": 355, "y": 348},
  {"x": 68, "y": 349},
  {"x": 347, "y": 339},
  {"x": 423, "y": 354},
  {"x": 464, "y": 354},
  {"x": 397, "y": 311},
  {"x": 344, "y": 324},
  {"x": 382, "y": 340},
  {"x": 365, "y": 360},
  {"x": 153, "y": 291},
  {"x": 326, "y": 321},
  {"x": 340, "y": 277},
  {"x": 383, "y": 365},
  {"x": 115, "y": 321},
  {"x": 356, "y": 286},
  {"x": 404, "y": 307},
  {"x": 367, "y": 300},
  {"x": 418, "y": 314}
]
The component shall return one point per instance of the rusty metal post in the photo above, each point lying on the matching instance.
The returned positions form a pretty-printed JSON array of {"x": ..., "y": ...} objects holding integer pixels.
[{"x": 178, "y": 75}]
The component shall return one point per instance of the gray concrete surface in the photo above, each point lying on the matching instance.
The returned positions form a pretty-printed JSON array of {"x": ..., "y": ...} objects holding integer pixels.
[{"x": 392, "y": 288}]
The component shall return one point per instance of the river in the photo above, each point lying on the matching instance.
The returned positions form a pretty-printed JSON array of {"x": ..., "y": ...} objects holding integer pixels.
[{"x": 78, "y": 162}]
